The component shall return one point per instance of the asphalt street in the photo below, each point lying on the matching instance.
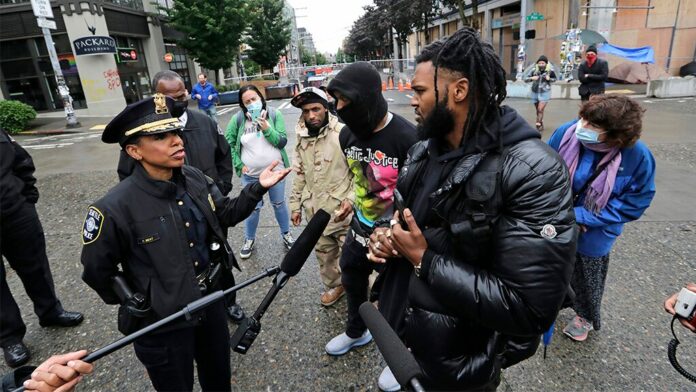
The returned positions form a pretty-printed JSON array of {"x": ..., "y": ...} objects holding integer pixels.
[{"x": 653, "y": 258}]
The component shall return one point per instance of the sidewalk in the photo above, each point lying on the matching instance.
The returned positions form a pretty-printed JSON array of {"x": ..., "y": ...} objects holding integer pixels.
[{"x": 49, "y": 124}]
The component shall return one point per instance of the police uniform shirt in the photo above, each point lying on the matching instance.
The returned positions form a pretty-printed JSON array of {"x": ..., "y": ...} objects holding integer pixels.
[{"x": 195, "y": 226}]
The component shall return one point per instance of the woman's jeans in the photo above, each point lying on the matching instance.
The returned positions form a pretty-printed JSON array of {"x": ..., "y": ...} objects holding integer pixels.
[{"x": 280, "y": 208}]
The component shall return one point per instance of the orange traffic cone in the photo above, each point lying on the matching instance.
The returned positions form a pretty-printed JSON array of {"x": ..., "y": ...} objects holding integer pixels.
[
  {"x": 384, "y": 86},
  {"x": 401, "y": 86},
  {"x": 391, "y": 84},
  {"x": 408, "y": 85}
]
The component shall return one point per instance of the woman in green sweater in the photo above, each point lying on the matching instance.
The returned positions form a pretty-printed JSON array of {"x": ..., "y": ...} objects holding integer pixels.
[{"x": 257, "y": 136}]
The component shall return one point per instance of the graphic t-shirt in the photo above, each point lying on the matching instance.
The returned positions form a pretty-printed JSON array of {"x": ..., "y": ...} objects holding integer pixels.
[{"x": 375, "y": 165}]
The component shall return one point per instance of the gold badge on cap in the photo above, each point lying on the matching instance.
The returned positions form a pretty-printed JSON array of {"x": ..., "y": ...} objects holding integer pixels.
[{"x": 160, "y": 104}]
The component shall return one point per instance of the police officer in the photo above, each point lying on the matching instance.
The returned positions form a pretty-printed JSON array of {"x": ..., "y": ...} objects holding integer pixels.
[
  {"x": 164, "y": 226},
  {"x": 24, "y": 246},
  {"x": 206, "y": 149}
]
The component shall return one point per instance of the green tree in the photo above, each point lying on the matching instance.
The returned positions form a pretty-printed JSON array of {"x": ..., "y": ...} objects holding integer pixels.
[
  {"x": 321, "y": 59},
  {"x": 461, "y": 6},
  {"x": 306, "y": 57},
  {"x": 269, "y": 32},
  {"x": 340, "y": 56},
  {"x": 367, "y": 38},
  {"x": 211, "y": 29},
  {"x": 401, "y": 17}
]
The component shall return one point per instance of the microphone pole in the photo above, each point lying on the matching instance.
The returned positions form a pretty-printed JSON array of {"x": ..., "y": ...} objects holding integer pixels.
[
  {"x": 401, "y": 362},
  {"x": 293, "y": 261},
  {"x": 187, "y": 312}
]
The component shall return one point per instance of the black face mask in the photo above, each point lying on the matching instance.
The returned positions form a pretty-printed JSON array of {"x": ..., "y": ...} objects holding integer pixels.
[
  {"x": 438, "y": 124},
  {"x": 179, "y": 108},
  {"x": 314, "y": 131},
  {"x": 356, "y": 117}
]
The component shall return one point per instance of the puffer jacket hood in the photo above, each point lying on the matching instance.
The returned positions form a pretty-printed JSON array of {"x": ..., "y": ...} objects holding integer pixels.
[{"x": 511, "y": 129}]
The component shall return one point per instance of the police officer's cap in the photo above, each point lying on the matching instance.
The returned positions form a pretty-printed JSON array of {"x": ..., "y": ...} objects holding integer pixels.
[
  {"x": 149, "y": 116},
  {"x": 310, "y": 95}
]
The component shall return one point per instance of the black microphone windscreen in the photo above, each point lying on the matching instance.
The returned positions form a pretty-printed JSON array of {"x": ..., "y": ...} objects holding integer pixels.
[
  {"x": 298, "y": 254},
  {"x": 401, "y": 362}
]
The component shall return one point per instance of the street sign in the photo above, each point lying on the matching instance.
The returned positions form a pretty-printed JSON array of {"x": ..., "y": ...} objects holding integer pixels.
[
  {"x": 42, "y": 8},
  {"x": 46, "y": 24},
  {"x": 535, "y": 16}
]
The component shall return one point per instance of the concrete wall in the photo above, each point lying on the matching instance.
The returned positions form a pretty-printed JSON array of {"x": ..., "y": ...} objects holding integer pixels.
[{"x": 98, "y": 73}]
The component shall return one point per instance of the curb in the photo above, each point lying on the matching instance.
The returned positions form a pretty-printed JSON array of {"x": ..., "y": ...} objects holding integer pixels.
[{"x": 48, "y": 132}]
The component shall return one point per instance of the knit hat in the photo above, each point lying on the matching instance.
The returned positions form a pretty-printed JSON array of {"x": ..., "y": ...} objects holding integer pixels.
[
  {"x": 543, "y": 58},
  {"x": 591, "y": 48}
]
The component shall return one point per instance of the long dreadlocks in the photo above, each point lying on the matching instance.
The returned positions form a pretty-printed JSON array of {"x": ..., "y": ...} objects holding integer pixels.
[{"x": 465, "y": 53}]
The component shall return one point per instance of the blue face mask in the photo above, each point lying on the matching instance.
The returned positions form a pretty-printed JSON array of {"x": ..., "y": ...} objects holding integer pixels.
[
  {"x": 585, "y": 135},
  {"x": 254, "y": 109}
]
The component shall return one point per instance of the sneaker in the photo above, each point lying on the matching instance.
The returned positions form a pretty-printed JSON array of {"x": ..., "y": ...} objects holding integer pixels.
[
  {"x": 341, "y": 344},
  {"x": 578, "y": 329},
  {"x": 288, "y": 240},
  {"x": 387, "y": 382},
  {"x": 245, "y": 253},
  {"x": 330, "y": 296}
]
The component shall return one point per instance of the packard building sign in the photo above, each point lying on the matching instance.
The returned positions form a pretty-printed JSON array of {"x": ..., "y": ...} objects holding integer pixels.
[{"x": 95, "y": 44}]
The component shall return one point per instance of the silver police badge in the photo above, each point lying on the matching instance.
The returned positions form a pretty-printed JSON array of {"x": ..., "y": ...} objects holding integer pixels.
[{"x": 549, "y": 231}]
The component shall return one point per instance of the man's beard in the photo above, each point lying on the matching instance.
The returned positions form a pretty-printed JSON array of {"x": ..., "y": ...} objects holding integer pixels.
[
  {"x": 314, "y": 130},
  {"x": 438, "y": 124}
]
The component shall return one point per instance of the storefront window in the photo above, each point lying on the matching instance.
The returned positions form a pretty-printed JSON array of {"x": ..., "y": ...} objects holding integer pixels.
[
  {"x": 135, "y": 79},
  {"x": 28, "y": 76}
]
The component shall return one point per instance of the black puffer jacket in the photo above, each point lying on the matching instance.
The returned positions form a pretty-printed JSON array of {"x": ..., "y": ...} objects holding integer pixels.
[{"x": 481, "y": 302}]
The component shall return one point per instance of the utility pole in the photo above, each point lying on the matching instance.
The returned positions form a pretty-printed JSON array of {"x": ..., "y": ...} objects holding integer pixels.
[
  {"x": 521, "y": 55},
  {"x": 44, "y": 12}
]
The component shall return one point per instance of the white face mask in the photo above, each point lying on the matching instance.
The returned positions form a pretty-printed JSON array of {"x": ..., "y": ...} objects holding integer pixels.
[
  {"x": 254, "y": 110},
  {"x": 586, "y": 135}
]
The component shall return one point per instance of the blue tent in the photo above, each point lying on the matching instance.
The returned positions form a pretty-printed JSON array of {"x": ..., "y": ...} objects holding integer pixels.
[{"x": 646, "y": 54}]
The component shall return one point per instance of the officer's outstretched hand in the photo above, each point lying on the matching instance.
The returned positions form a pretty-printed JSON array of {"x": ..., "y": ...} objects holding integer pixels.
[
  {"x": 270, "y": 177},
  {"x": 59, "y": 373}
]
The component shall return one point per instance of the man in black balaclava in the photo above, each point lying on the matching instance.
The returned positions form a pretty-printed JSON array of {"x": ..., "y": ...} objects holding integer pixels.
[{"x": 375, "y": 143}]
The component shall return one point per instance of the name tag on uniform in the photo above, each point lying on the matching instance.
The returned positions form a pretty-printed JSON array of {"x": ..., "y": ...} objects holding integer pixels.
[{"x": 149, "y": 239}]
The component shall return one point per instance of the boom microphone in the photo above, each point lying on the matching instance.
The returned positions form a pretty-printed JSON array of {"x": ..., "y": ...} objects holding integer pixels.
[
  {"x": 400, "y": 360},
  {"x": 293, "y": 261}
]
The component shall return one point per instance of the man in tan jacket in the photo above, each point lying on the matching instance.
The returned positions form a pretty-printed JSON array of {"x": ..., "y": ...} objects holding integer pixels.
[{"x": 322, "y": 180}]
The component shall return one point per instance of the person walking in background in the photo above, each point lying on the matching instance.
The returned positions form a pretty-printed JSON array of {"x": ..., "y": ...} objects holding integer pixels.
[
  {"x": 541, "y": 77},
  {"x": 256, "y": 142},
  {"x": 593, "y": 72},
  {"x": 206, "y": 95},
  {"x": 322, "y": 180},
  {"x": 613, "y": 182},
  {"x": 24, "y": 246}
]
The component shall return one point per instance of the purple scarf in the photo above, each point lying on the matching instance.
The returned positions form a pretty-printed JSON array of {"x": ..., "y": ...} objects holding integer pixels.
[{"x": 598, "y": 193}]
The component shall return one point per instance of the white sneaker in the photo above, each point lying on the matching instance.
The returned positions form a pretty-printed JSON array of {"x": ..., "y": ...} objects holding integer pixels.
[
  {"x": 387, "y": 382},
  {"x": 341, "y": 344}
]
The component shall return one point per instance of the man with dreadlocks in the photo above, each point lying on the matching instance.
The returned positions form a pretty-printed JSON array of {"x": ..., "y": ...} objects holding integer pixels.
[{"x": 491, "y": 231}]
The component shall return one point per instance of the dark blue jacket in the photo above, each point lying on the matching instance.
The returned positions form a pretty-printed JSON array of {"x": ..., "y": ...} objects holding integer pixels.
[{"x": 633, "y": 191}]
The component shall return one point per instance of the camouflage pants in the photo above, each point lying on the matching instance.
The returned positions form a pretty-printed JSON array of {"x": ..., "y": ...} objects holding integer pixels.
[{"x": 328, "y": 252}]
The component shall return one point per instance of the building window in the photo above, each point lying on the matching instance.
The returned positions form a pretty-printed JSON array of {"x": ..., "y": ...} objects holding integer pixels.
[
  {"x": 135, "y": 78},
  {"x": 179, "y": 63},
  {"x": 27, "y": 73}
]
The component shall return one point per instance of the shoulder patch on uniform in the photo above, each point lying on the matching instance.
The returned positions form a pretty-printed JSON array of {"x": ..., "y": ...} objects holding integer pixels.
[{"x": 92, "y": 226}]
